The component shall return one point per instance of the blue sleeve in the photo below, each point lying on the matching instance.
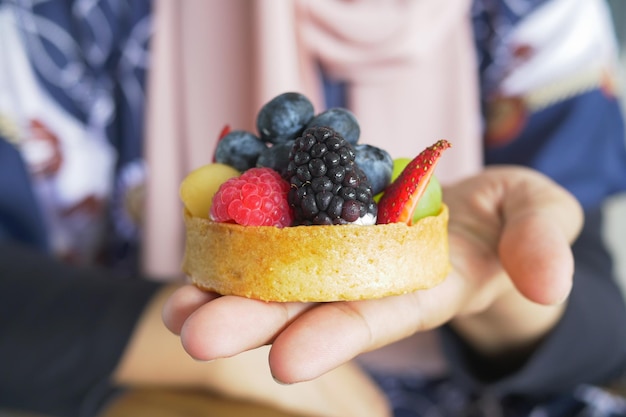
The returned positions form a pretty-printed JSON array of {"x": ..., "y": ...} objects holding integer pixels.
[
  {"x": 20, "y": 216},
  {"x": 579, "y": 142}
]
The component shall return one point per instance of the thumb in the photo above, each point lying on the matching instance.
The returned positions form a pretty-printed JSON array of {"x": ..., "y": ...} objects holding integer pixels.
[{"x": 540, "y": 222}]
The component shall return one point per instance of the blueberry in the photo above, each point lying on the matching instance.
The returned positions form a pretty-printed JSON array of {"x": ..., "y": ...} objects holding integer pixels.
[
  {"x": 341, "y": 121},
  {"x": 284, "y": 117},
  {"x": 377, "y": 165},
  {"x": 239, "y": 149},
  {"x": 276, "y": 157}
]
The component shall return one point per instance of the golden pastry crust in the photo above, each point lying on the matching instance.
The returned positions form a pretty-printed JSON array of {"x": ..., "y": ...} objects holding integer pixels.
[{"x": 317, "y": 263}]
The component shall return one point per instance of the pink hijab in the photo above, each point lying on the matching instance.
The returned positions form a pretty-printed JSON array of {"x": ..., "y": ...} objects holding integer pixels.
[{"x": 409, "y": 65}]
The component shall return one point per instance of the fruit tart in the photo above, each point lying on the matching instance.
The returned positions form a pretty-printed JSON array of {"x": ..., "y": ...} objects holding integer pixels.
[{"x": 303, "y": 212}]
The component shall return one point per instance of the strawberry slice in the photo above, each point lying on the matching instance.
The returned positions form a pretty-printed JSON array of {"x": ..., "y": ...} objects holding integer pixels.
[
  {"x": 400, "y": 198},
  {"x": 225, "y": 131}
]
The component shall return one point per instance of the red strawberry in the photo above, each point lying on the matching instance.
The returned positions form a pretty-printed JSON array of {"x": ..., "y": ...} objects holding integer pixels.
[
  {"x": 225, "y": 131},
  {"x": 400, "y": 198}
]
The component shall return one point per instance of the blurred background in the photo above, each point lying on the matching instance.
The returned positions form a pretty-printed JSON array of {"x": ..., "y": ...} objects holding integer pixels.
[{"x": 615, "y": 228}]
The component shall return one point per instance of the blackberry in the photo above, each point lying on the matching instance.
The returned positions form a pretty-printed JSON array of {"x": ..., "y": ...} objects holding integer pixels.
[{"x": 327, "y": 186}]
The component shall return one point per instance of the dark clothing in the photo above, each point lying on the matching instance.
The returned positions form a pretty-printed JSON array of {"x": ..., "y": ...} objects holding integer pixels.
[
  {"x": 62, "y": 331},
  {"x": 20, "y": 216}
]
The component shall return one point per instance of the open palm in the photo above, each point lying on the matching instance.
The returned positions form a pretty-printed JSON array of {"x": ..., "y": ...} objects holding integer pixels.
[{"x": 510, "y": 230}]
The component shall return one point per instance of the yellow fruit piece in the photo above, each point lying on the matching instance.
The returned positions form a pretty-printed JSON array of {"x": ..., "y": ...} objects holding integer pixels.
[{"x": 197, "y": 189}]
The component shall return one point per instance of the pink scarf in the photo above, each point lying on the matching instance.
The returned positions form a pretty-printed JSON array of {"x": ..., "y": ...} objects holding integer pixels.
[{"x": 409, "y": 65}]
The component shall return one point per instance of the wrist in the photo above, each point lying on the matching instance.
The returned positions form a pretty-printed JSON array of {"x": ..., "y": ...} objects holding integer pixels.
[{"x": 511, "y": 325}]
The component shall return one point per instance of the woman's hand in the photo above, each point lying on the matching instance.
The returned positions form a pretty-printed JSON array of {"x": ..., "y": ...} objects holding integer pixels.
[
  {"x": 510, "y": 235},
  {"x": 510, "y": 230}
]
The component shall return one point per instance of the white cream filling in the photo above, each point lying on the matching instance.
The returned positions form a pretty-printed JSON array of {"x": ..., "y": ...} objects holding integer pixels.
[{"x": 368, "y": 220}]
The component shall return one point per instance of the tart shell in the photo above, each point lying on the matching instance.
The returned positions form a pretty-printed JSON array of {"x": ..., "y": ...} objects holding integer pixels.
[{"x": 316, "y": 263}]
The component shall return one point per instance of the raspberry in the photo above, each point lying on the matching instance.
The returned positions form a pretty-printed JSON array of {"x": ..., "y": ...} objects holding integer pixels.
[
  {"x": 327, "y": 186},
  {"x": 256, "y": 198}
]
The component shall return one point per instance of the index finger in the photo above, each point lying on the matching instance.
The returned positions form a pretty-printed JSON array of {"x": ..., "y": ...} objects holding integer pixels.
[
  {"x": 334, "y": 333},
  {"x": 309, "y": 340},
  {"x": 229, "y": 325}
]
